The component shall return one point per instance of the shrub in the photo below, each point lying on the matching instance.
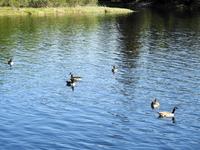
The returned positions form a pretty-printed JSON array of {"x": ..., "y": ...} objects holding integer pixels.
[
  {"x": 45, "y": 3},
  {"x": 38, "y": 3}
]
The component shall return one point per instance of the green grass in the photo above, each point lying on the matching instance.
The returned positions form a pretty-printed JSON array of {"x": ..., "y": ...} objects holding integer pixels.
[{"x": 60, "y": 11}]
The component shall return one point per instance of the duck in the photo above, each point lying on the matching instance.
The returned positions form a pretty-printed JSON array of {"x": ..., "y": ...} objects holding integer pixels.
[
  {"x": 114, "y": 69},
  {"x": 10, "y": 62},
  {"x": 165, "y": 114},
  {"x": 71, "y": 82},
  {"x": 155, "y": 104},
  {"x": 75, "y": 78}
]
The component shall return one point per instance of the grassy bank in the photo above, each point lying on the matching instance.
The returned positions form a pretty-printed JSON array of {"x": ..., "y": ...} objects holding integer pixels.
[{"x": 60, "y": 11}]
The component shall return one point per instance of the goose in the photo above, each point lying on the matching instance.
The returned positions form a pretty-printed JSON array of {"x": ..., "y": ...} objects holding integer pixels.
[
  {"x": 167, "y": 114},
  {"x": 155, "y": 104},
  {"x": 71, "y": 82},
  {"x": 75, "y": 78},
  {"x": 10, "y": 62},
  {"x": 114, "y": 69}
]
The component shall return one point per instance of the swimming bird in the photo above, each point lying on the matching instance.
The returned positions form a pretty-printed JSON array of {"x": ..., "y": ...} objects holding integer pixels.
[
  {"x": 114, "y": 69},
  {"x": 71, "y": 82},
  {"x": 155, "y": 104},
  {"x": 10, "y": 62},
  {"x": 75, "y": 78},
  {"x": 166, "y": 114}
]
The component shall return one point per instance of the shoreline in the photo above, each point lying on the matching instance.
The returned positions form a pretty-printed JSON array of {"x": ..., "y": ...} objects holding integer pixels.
[{"x": 62, "y": 11}]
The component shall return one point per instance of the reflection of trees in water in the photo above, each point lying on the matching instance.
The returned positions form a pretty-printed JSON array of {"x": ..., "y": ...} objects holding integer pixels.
[
  {"x": 151, "y": 31},
  {"x": 153, "y": 27},
  {"x": 33, "y": 33},
  {"x": 18, "y": 33},
  {"x": 164, "y": 25},
  {"x": 130, "y": 28},
  {"x": 172, "y": 19}
]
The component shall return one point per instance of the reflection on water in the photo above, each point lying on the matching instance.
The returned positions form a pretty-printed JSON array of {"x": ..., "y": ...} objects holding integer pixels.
[{"x": 157, "y": 55}]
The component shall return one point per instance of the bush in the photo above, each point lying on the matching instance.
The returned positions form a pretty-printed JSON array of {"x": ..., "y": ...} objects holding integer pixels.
[
  {"x": 14, "y": 3},
  {"x": 57, "y": 3},
  {"x": 45, "y": 3},
  {"x": 38, "y": 3}
]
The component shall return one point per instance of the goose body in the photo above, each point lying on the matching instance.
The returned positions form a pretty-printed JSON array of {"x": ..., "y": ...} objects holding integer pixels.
[
  {"x": 114, "y": 69},
  {"x": 165, "y": 114},
  {"x": 10, "y": 62},
  {"x": 155, "y": 104},
  {"x": 71, "y": 82}
]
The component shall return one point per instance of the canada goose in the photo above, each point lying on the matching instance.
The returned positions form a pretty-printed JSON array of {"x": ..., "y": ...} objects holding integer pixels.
[
  {"x": 155, "y": 104},
  {"x": 114, "y": 69},
  {"x": 71, "y": 82},
  {"x": 75, "y": 78},
  {"x": 10, "y": 62},
  {"x": 167, "y": 114}
]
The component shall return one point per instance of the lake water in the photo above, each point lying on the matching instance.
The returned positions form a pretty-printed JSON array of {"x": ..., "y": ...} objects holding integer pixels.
[{"x": 157, "y": 54}]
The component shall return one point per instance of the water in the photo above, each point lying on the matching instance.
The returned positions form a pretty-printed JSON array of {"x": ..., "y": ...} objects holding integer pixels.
[{"x": 157, "y": 54}]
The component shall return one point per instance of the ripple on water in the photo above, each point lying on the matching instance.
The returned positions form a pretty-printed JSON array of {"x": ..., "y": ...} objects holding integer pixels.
[{"x": 105, "y": 110}]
